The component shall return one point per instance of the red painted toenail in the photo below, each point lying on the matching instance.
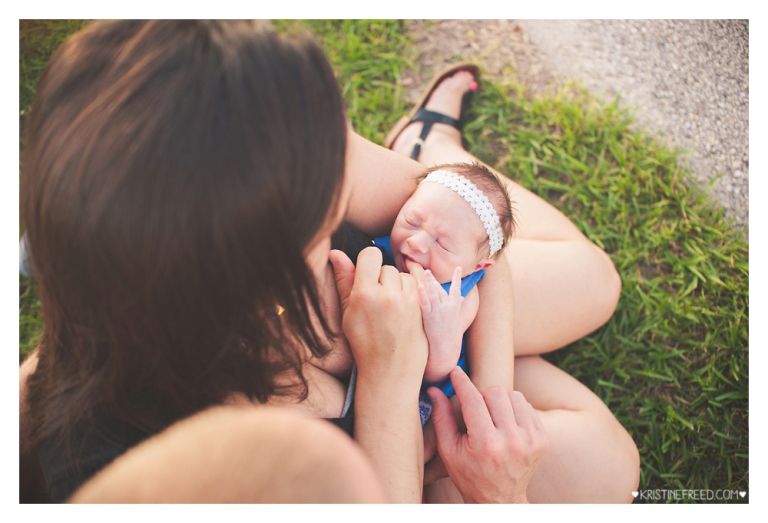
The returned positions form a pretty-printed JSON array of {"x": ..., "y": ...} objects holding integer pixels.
[{"x": 473, "y": 86}]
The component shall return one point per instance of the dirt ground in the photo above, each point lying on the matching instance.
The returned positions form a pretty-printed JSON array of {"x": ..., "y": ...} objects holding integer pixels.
[{"x": 686, "y": 80}]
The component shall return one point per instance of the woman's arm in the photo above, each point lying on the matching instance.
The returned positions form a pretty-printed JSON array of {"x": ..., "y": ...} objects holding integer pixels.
[
  {"x": 490, "y": 337},
  {"x": 382, "y": 322},
  {"x": 239, "y": 454},
  {"x": 388, "y": 428},
  {"x": 382, "y": 181}
]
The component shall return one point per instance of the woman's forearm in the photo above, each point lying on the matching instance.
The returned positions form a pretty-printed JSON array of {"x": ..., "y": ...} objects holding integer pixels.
[
  {"x": 382, "y": 322},
  {"x": 382, "y": 181},
  {"x": 490, "y": 338},
  {"x": 388, "y": 428}
]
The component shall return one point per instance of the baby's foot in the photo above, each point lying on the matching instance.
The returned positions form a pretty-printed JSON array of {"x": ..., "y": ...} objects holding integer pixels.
[{"x": 445, "y": 99}]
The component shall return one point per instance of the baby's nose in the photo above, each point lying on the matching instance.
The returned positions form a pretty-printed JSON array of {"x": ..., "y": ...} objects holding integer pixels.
[{"x": 418, "y": 242}]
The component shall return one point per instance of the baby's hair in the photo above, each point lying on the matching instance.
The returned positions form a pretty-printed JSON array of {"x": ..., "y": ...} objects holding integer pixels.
[{"x": 493, "y": 188}]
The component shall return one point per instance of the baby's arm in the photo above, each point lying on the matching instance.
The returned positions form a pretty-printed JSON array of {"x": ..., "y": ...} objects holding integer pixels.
[{"x": 491, "y": 347}]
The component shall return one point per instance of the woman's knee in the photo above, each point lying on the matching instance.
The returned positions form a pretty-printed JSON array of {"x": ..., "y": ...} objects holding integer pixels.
[
  {"x": 628, "y": 456},
  {"x": 623, "y": 477},
  {"x": 608, "y": 286}
]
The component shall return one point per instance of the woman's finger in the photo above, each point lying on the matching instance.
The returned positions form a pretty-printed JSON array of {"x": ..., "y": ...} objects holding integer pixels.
[
  {"x": 407, "y": 282},
  {"x": 455, "y": 291},
  {"x": 390, "y": 278},
  {"x": 344, "y": 272},
  {"x": 368, "y": 268},
  {"x": 416, "y": 270},
  {"x": 522, "y": 409},
  {"x": 444, "y": 422},
  {"x": 473, "y": 409},
  {"x": 536, "y": 419},
  {"x": 500, "y": 408}
]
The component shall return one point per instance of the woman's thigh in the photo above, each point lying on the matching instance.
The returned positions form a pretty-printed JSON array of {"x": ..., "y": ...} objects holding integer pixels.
[
  {"x": 561, "y": 291},
  {"x": 591, "y": 457},
  {"x": 241, "y": 455}
]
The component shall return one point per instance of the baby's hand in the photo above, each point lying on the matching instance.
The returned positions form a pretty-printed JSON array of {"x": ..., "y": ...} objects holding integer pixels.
[{"x": 441, "y": 316}]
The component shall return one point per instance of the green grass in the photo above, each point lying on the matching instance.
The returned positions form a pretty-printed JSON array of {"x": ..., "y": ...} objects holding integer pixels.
[
  {"x": 672, "y": 362},
  {"x": 37, "y": 41}
]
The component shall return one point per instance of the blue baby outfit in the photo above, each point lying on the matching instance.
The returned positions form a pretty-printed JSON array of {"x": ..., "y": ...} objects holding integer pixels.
[{"x": 467, "y": 284}]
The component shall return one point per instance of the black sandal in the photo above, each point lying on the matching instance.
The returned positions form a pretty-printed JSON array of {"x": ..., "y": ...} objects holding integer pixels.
[
  {"x": 430, "y": 118},
  {"x": 420, "y": 114}
]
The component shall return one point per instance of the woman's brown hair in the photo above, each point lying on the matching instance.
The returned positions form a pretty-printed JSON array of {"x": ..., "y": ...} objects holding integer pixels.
[{"x": 174, "y": 173}]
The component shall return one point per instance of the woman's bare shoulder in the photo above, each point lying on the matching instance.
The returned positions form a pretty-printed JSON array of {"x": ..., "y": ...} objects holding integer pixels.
[{"x": 325, "y": 395}]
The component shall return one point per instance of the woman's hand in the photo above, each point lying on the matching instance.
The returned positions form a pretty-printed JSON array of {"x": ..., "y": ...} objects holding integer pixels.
[
  {"x": 382, "y": 322},
  {"x": 494, "y": 461},
  {"x": 381, "y": 316}
]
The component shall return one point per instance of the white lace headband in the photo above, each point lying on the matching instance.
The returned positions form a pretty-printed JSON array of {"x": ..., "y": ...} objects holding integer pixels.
[{"x": 477, "y": 200}]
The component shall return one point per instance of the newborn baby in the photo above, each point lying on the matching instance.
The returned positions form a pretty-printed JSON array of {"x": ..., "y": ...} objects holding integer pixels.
[{"x": 454, "y": 224}]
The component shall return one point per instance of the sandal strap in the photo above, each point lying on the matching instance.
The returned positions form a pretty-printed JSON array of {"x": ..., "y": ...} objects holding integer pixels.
[
  {"x": 430, "y": 118},
  {"x": 424, "y": 115}
]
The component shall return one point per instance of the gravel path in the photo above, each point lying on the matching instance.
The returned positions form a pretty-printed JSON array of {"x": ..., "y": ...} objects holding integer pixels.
[{"x": 686, "y": 80}]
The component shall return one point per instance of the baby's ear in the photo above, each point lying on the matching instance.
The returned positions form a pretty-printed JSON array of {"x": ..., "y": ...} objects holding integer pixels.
[{"x": 483, "y": 264}]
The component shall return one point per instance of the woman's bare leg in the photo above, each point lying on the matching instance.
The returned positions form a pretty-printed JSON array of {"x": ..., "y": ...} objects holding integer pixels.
[
  {"x": 591, "y": 457},
  {"x": 564, "y": 286},
  {"x": 239, "y": 455}
]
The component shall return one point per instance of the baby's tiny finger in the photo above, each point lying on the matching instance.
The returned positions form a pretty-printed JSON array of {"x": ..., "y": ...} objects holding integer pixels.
[
  {"x": 438, "y": 289},
  {"x": 455, "y": 291},
  {"x": 424, "y": 303},
  {"x": 430, "y": 283}
]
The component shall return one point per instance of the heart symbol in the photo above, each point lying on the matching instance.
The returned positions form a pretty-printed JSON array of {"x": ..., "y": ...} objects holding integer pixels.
[
  {"x": 635, "y": 493},
  {"x": 742, "y": 493}
]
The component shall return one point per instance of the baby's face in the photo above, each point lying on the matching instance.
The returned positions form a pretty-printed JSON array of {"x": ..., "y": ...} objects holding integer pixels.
[{"x": 437, "y": 229}]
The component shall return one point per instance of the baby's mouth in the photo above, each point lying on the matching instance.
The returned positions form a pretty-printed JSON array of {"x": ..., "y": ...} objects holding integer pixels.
[{"x": 408, "y": 262}]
